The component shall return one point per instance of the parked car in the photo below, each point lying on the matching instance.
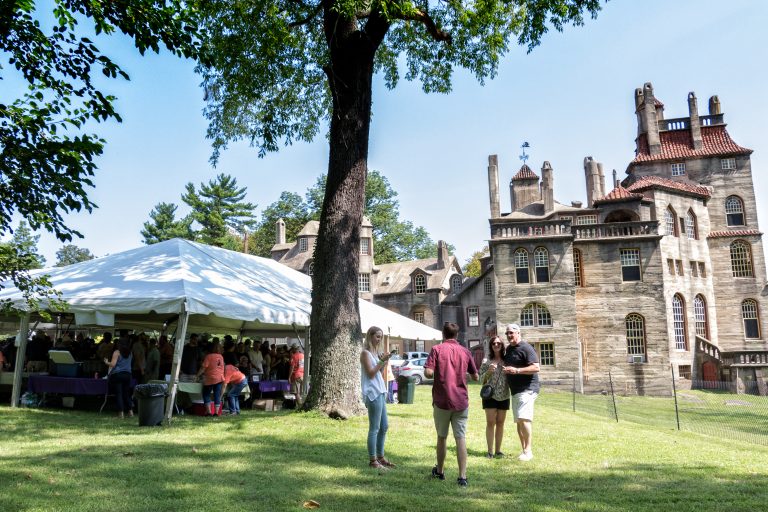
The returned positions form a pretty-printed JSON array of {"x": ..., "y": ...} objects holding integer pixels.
[
  {"x": 414, "y": 355},
  {"x": 414, "y": 368}
]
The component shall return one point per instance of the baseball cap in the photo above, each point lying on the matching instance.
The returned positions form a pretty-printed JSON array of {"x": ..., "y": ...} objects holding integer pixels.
[{"x": 513, "y": 327}]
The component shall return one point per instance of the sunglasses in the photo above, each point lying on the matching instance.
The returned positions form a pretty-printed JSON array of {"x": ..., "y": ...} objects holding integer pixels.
[{"x": 497, "y": 343}]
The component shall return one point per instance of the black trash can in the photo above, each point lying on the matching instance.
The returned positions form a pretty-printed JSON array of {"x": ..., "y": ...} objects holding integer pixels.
[
  {"x": 405, "y": 388},
  {"x": 151, "y": 399}
]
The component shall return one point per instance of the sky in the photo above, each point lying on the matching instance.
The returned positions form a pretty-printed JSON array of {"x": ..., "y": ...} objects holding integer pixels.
[{"x": 570, "y": 98}]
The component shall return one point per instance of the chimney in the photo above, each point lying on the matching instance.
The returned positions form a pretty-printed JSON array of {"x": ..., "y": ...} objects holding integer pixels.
[
  {"x": 647, "y": 118},
  {"x": 547, "y": 188},
  {"x": 693, "y": 112},
  {"x": 714, "y": 106},
  {"x": 615, "y": 180},
  {"x": 280, "y": 231},
  {"x": 442, "y": 255},
  {"x": 493, "y": 185},
  {"x": 593, "y": 175}
]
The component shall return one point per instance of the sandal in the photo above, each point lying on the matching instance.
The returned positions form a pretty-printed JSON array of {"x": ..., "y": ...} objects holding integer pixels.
[
  {"x": 384, "y": 462},
  {"x": 375, "y": 464}
]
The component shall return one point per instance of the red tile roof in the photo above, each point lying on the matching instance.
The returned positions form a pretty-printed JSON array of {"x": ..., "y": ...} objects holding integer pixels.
[
  {"x": 618, "y": 195},
  {"x": 678, "y": 144},
  {"x": 646, "y": 182},
  {"x": 525, "y": 173},
  {"x": 738, "y": 232}
]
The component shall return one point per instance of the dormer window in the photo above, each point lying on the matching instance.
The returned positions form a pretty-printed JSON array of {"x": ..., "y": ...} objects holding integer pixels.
[
  {"x": 419, "y": 284},
  {"x": 303, "y": 245},
  {"x": 678, "y": 169},
  {"x": 728, "y": 164},
  {"x": 456, "y": 283}
]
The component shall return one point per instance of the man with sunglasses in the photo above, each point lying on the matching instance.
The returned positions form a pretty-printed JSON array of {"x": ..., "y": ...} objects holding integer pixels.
[{"x": 521, "y": 365}]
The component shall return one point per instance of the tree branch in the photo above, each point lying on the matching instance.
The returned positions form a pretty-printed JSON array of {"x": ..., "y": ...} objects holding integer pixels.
[
  {"x": 312, "y": 15},
  {"x": 426, "y": 20}
]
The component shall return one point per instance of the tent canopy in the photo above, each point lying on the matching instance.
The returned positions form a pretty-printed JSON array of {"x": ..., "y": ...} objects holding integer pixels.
[{"x": 220, "y": 289}]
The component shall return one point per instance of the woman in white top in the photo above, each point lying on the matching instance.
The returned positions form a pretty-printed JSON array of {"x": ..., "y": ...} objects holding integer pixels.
[{"x": 372, "y": 363}]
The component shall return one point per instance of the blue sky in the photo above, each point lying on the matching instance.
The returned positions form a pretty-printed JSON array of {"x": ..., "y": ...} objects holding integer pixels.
[{"x": 572, "y": 97}]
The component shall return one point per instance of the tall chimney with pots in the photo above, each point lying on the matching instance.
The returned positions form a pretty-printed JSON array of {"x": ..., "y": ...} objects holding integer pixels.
[
  {"x": 693, "y": 112},
  {"x": 593, "y": 175},
  {"x": 442, "y": 255},
  {"x": 280, "y": 231},
  {"x": 649, "y": 112},
  {"x": 547, "y": 187},
  {"x": 493, "y": 185}
]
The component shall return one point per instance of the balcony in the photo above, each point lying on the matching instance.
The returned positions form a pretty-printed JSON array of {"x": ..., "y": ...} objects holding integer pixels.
[
  {"x": 745, "y": 358},
  {"x": 684, "y": 123},
  {"x": 616, "y": 230},
  {"x": 531, "y": 229},
  {"x": 704, "y": 346}
]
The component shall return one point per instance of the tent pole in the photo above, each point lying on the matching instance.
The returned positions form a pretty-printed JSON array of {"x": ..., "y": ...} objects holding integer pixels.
[
  {"x": 21, "y": 349},
  {"x": 178, "y": 348},
  {"x": 307, "y": 360}
]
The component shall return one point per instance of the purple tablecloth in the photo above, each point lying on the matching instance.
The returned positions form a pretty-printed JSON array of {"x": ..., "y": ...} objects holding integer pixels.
[
  {"x": 269, "y": 386},
  {"x": 67, "y": 385}
]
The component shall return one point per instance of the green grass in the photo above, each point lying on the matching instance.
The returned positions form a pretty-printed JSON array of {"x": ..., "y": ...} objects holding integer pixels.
[{"x": 73, "y": 460}]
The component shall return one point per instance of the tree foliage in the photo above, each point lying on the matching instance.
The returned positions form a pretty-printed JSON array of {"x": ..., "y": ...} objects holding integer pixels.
[
  {"x": 472, "y": 267},
  {"x": 277, "y": 68},
  {"x": 294, "y": 212},
  {"x": 71, "y": 254},
  {"x": 163, "y": 225}
]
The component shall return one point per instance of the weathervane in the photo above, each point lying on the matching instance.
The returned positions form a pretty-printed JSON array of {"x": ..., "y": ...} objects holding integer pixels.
[{"x": 524, "y": 157}]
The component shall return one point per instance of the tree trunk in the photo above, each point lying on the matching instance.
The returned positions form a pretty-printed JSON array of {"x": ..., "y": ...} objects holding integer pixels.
[{"x": 336, "y": 330}]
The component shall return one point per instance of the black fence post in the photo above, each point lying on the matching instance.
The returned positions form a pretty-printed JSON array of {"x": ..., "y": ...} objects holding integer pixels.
[
  {"x": 613, "y": 397},
  {"x": 674, "y": 393}
]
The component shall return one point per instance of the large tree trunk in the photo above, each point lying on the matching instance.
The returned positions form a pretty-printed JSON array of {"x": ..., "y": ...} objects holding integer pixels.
[{"x": 336, "y": 330}]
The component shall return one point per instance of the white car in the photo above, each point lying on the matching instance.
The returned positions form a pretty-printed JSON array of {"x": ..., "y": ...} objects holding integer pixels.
[
  {"x": 414, "y": 368},
  {"x": 414, "y": 355}
]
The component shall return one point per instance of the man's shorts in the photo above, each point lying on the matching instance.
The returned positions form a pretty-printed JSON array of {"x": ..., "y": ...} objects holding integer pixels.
[
  {"x": 456, "y": 419},
  {"x": 522, "y": 405},
  {"x": 296, "y": 385}
]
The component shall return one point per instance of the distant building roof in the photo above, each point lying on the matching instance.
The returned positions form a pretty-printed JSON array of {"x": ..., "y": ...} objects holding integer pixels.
[
  {"x": 397, "y": 277},
  {"x": 678, "y": 144},
  {"x": 525, "y": 173},
  {"x": 738, "y": 232},
  {"x": 311, "y": 228},
  {"x": 647, "y": 182},
  {"x": 618, "y": 195}
]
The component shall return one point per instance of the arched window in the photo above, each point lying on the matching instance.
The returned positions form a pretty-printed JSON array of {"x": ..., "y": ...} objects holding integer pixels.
[
  {"x": 635, "y": 327},
  {"x": 734, "y": 211},
  {"x": 670, "y": 222},
  {"x": 691, "y": 230},
  {"x": 751, "y": 319},
  {"x": 420, "y": 284},
  {"x": 456, "y": 283},
  {"x": 521, "y": 266},
  {"x": 700, "y": 316},
  {"x": 578, "y": 269},
  {"x": 541, "y": 262},
  {"x": 741, "y": 259},
  {"x": 535, "y": 315},
  {"x": 678, "y": 323}
]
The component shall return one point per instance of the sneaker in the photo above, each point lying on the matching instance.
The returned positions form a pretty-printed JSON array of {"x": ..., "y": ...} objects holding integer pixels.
[
  {"x": 499, "y": 455},
  {"x": 435, "y": 474},
  {"x": 462, "y": 482},
  {"x": 525, "y": 456}
]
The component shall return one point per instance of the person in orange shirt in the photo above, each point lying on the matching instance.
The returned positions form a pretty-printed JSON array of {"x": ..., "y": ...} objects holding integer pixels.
[
  {"x": 237, "y": 382},
  {"x": 212, "y": 371},
  {"x": 296, "y": 374}
]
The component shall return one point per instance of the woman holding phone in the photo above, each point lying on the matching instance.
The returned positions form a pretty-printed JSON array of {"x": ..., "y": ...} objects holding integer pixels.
[{"x": 372, "y": 363}]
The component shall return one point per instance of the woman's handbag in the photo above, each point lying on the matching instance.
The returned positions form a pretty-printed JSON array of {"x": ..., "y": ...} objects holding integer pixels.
[{"x": 486, "y": 391}]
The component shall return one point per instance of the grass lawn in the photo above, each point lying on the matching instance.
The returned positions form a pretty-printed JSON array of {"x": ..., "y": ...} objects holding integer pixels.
[{"x": 53, "y": 459}]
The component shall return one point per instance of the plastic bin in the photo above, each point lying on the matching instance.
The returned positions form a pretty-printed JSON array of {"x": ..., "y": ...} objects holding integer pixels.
[
  {"x": 151, "y": 399},
  {"x": 405, "y": 389}
]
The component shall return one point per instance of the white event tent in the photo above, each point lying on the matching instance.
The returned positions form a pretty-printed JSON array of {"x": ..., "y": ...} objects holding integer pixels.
[{"x": 201, "y": 287}]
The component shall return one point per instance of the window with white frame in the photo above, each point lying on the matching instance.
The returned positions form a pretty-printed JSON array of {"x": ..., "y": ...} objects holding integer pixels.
[
  {"x": 418, "y": 316},
  {"x": 670, "y": 222},
  {"x": 419, "y": 284},
  {"x": 541, "y": 263},
  {"x": 728, "y": 164},
  {"x": 734, "y": 211},
  {"x": 630, "y": 264},
  {"x": 678, "y": 323},
  {"x": 700, "y": 316},
  {"x": 578, "y": 276},
  {"x": 586, "y": 219},
  {"x": 749, "y": 315},
  {"x": 419, "y": 345},
  {"x": 365, "y": 246},
  {"x": 535, "y": 315},
  {"x": 364, "y": 282},
  {"x": 690, "y": 225},
  {"x": 741, "y": 259},
  {"x": 303, "y": 244},
  {"x": 678, "y": 169},
  {"x": 473, "y": 316},
  {"x": 488, "y": 286},
  {"x": 635, "y": 329},
  {"x": 456, "y": 283},
  {"x": 546, "y": 352},
  {"x": 521, "y": 266}
]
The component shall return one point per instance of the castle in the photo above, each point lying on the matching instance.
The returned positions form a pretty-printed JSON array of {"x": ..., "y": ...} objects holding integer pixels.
[{"x": 664, "y": 272}]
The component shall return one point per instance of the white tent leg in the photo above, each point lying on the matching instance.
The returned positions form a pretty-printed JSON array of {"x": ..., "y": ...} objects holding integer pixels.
[
  {"x": 21, "y": 350},
  {"x": 178, "y": 348}
]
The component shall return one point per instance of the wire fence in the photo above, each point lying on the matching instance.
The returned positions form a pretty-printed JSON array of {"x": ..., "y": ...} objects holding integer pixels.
[{"x": 720, "y": 409}]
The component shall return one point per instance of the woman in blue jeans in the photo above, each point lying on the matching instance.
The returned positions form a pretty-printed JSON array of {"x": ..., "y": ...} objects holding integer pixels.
[
  {"x": 120, "y": 377},
  {"x": 372, "y": 363}
]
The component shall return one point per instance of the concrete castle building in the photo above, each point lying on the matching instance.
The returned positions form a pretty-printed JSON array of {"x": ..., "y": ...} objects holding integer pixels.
[{"x": 664, "y": 268}]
